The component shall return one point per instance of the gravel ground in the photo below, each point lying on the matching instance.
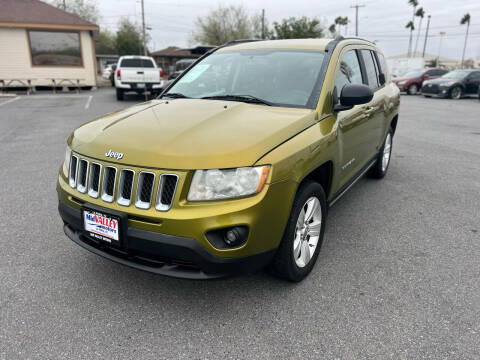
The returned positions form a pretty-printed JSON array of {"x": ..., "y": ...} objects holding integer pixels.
[{"x": 398, "y": 276}]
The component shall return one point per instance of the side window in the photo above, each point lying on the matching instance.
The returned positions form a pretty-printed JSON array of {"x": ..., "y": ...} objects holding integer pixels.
[
  {"x": 370, "y": 69},
  {"x": 382, "y": 63},
  {"x": 474, "y": 76},
  {"x": 349, "y": 72}
]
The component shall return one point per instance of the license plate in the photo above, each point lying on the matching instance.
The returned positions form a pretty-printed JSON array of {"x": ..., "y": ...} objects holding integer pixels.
[
  {"x": 140, "y": 86},
  {"x": 102, "y": 226}
]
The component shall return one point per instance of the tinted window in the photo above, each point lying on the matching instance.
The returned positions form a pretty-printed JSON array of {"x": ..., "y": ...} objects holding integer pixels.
[
  {"x": 55, "y": 48},
  {"x": 138, "y": 63},
  {"x": 370, "y": 69},
  {"x": 285, "y": 77},
  {"x": 349, "y": 72},
  {"x": 474, "y": 76}
]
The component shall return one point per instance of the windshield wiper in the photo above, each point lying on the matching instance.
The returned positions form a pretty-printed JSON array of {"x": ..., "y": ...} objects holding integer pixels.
[
  {"x": 243, "y": 98},
  {"x": 175, "y": 96}
]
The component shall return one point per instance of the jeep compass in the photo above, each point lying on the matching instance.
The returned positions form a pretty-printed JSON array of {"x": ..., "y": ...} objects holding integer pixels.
[{"x": 234, "y": 166}]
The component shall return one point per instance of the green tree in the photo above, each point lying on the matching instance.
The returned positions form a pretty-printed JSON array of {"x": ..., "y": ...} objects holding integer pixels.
[
  {"x": 465, "y": 20},
  {"x": 421, "y": 14},
  {"x": 105, "y": 42},
  {"x": 86, "y": 9},
  {"x": 297, "y": 28},
  {"x": 414, "y": 4},
  {"x": 226, "y": 24},
  {"x": 128, "y": 40}
]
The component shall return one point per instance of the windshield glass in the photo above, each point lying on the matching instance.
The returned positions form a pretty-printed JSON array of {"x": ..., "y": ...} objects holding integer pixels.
[
  {"x": 278, "y": 76},
  {"x": 412, "y": 74},
  {"x": 456, "y": 74}
]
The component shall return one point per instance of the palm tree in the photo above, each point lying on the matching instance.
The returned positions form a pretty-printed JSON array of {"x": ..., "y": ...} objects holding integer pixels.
[
  {"x": 410, "y": 26},
  {"x": 465, "y": 20},
  {"x": 339, "y": 21},
  {"x": 332, "y": 29},
  {"x": 345, "y": 22},
  {"x": 420, "y": 13},
  {"x": 414, "y": 3}
]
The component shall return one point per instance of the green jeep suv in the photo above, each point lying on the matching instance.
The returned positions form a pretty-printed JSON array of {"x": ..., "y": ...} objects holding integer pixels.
[{"x": 234, "y": 166}]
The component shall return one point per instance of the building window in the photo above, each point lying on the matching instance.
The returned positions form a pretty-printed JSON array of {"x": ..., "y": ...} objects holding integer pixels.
[{"x": 54, "y": 48}]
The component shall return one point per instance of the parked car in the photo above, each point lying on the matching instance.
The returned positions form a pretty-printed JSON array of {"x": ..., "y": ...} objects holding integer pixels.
[
  {"x": 226, "y": 174},
  {"x": 112, "y": 75},
  {"x": 412, "y": 81},
  {"x": 137, "y": 74},
  {"x": 107, "y": 71},
  {"x": 455, "y": 84},
  {"x": 180, "y": 67}
]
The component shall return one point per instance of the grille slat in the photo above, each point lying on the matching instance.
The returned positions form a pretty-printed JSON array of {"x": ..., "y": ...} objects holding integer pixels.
[
  {"x": 82, "y": 176},
  {"x": 146, "y": 181},
  {"x": 94, "y": 180},
  {"x": 166, "y": 191},
  {"x": 125, "y": 187},
  {"x": 108, "y": 188},
  {"x": 72, "y": 179},
  {"x": 86, "y": 176}
]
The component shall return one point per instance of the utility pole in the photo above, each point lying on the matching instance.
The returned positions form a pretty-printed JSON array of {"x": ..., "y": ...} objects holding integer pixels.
[
  {"x": 356, "y": 16},
  {"x": 426, "y": 37},
  {"x": 64, "y": 5},
  {"x": 143, "y": 30},
  {"x": 263, "y": 23}
]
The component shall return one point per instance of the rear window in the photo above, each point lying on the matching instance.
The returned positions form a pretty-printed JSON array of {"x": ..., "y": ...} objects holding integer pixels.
[{"x": 137, "y": 63}]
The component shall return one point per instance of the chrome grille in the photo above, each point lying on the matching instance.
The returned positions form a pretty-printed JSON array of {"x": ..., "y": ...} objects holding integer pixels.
[
  {"x": 166, "y": 191},
  {"x": 72, "y": 179},
  {"x": 82, "y": 176},
  {"x": 125, "y": 187},
  {"x": 88, "y": 177},
  {"x": 108, "y": 187},
  {"x": 94, "y": 180},
  {"x": 146, "y": 180}
]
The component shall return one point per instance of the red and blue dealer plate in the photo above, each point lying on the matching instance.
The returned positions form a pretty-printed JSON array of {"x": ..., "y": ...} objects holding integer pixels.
[{"x": 101, "y": 226}]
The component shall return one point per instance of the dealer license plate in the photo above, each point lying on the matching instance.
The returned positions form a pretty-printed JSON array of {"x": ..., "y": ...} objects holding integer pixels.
[
  {"x": 101, "y": 226},
  {"x": 140, "y": 86}
]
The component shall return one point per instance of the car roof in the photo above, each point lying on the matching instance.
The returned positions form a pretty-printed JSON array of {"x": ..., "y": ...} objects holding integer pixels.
[
  {"x": 135, "y": 57},
  {"x": 290, "y": 44}
]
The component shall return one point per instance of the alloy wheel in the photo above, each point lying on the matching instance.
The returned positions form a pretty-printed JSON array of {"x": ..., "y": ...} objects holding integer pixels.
[
  {"x": 307, "y": 232},
  {"x": 387, "y": 150}
]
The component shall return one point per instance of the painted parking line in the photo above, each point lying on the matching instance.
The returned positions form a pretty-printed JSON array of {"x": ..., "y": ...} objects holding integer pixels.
[
  {"x": 87, "y": 105},
  {"x": 10, "y": 101}
]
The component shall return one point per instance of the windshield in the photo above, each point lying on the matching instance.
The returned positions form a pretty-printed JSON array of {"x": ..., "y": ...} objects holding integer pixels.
[
  {"x": 279, "y": 77},
  {"x": 456, "y": 74},
  {"x": 413, "y": 74}
]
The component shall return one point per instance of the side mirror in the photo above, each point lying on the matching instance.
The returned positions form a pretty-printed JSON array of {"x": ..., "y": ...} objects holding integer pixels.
[
  {"x": 381, "y": 78},
  {"x": 353, "y": 94}
]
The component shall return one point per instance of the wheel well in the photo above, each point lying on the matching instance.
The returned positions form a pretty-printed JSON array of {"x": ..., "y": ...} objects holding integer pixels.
[
  {"x": 323, "y": 176},
  {"x": 393, "y": 124}
]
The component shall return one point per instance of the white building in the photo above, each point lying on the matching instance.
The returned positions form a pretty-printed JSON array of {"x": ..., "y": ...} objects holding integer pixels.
[{"x": 43, "y": 45}]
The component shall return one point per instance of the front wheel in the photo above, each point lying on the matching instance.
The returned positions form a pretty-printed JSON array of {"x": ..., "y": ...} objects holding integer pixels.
[
  {"x": 412, "y": 89},
  {"x": 456, "y": 93},
  {"x": 303, "y": 237},
  {"x": 379, "y": 170}
]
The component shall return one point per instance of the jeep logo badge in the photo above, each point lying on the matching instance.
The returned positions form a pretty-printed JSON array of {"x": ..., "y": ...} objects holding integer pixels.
[{"x": 113, "y": 154}]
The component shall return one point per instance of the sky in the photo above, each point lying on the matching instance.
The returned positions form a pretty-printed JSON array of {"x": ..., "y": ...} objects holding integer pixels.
[{"x": 172, "y": 21}]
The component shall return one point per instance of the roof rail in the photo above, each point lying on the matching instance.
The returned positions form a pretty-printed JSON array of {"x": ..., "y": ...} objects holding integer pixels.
[
  {"x": 241, "y": 41},
  {"x": 356, "y": 38}
]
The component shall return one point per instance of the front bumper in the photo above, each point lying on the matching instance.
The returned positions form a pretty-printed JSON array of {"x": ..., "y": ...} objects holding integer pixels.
[{"x": 163, "y": 254}]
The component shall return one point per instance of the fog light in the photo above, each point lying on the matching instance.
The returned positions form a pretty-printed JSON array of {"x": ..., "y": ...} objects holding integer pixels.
[{"x": 226, "y": 238}]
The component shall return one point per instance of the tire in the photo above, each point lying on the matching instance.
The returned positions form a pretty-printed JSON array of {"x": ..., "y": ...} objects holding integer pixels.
[
  {"x": 379, "y": 170},
  {"x": 456, "y": 93},
  {"x": 412, "y": 89},
  {"x": 120, "y": 94},
  {"x": 427, "y": 96},
  {"x": 291, "y": 264}
]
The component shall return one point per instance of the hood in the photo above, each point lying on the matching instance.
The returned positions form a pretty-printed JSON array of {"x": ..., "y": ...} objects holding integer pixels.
[{"x": 190, "y": 133}]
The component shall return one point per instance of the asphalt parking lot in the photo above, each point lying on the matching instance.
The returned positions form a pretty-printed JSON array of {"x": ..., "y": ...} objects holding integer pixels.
[{"x": 398, "y": 276}]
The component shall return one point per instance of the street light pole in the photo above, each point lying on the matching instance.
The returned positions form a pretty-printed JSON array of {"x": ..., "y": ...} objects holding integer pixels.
[
  {"x": 143, "y": 31},
  {"x": 442, "y": 34}
]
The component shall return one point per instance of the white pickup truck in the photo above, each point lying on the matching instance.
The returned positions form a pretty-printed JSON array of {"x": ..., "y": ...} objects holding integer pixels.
[{"x": 138, "y": 74}]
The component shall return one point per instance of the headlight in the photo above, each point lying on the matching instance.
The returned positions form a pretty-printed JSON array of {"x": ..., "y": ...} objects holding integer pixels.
[
  {"x": 402, "y": 82},
  {"x": 66, "y": 162},
  {"x": 227, "y": 184},
  {"x": 448, "y": 83}
]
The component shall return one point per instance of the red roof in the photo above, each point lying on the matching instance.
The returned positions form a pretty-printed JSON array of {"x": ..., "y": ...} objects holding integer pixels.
[{"x": 35, "y": 12}]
